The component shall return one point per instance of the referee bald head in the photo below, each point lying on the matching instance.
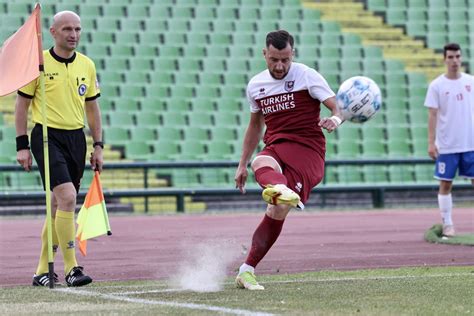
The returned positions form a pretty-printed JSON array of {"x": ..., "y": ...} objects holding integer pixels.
[{"x": 66, "y": 31}]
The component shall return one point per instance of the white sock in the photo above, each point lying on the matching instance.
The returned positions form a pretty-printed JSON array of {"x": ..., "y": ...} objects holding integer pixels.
[
  {"x": 245, "y": 267},
  {"x": 445, "y": 203}
]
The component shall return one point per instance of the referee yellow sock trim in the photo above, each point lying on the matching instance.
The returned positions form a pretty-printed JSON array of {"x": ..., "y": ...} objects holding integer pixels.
[
  {"x": 43, "y": 261},
  {"x": 66, "y": 231}
]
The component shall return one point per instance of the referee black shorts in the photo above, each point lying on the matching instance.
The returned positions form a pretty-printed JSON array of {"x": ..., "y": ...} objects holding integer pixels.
[{"x": 67, "y": 155}]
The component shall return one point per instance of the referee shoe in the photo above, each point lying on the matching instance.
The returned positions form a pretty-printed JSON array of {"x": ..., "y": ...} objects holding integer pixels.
[
  {"x": 43, "y": 279},
  {"x": 77, "y": 278},
  {"x": 280, "y": 194}
]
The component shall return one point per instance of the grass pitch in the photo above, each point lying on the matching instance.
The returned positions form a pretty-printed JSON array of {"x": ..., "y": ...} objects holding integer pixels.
[{"x": 406, "y": 291}]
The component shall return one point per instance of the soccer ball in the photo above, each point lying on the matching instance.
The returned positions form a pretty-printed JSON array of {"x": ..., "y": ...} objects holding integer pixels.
[{"x": 358, "y": 99}]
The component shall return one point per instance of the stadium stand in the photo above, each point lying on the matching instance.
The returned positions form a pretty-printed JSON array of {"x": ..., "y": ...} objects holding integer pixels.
[{"x": 173, "y": 73}]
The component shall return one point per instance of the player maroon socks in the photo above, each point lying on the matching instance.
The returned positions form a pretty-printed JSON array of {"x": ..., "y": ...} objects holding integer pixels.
[
  {"x": 267, "y": 175},
  {"x": 263, "y": 239}
]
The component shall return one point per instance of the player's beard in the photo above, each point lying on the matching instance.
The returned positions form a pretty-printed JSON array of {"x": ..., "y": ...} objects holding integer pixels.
[{"x": 282, "y": 75}]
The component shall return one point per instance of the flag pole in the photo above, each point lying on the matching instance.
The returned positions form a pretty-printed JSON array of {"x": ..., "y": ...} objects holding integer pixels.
[{"x": 47, "y": 180}]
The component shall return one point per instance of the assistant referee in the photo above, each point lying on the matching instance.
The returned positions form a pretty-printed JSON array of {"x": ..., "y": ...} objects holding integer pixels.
[{"x": 70, "y": 87}]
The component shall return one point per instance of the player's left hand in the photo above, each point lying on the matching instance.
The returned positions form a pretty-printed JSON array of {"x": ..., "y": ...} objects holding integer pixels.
[
  {"x": 330, "y": 123},
  {"x": 97, "y": 159}
]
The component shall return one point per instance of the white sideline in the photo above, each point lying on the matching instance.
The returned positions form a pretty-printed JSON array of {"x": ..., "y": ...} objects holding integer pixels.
[
  {"x": 164, "y": 303},
  {"x": 147, "y": 292}
]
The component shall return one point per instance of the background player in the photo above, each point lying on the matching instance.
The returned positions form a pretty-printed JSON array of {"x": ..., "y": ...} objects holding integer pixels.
[{"x": 450, "y": 99}]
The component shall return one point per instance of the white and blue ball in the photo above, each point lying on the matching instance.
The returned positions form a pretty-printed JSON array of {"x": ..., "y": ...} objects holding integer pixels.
[{"x": 358, "y": 99}]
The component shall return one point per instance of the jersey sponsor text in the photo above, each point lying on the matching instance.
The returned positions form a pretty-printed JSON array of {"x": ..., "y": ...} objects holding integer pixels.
[{"x": 277, "y": 103}]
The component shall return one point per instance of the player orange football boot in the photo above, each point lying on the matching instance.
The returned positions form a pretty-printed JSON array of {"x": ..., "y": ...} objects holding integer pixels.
[{"x": 280, "y": 194}]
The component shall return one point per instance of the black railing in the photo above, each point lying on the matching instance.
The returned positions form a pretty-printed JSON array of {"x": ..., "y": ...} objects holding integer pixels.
[{"x": 377, "y": 190}]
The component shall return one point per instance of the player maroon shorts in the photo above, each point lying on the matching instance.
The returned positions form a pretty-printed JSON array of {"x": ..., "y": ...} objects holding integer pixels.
[{"x": 302, "y": 166}]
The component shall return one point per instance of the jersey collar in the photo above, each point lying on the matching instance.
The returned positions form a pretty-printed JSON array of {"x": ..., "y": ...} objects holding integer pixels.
[{"x": 60, "y": 59}]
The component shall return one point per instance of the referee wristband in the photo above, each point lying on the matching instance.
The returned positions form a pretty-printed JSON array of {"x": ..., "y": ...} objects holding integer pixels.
[
  {"x": 100, "y": 144},
  {"x": 336, "y": 119},
  {"x": 22, "y": 142}
]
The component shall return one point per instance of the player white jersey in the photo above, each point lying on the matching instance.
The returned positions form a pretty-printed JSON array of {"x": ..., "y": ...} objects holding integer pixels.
[
  {"x": 284, "y": 102},
  {"x": 454, "y": 100}
]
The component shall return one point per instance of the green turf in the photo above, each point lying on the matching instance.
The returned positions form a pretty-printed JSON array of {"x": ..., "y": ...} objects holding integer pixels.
[
  {"x": 435, "y": 235},
  {"x": 407, "y": 291}
]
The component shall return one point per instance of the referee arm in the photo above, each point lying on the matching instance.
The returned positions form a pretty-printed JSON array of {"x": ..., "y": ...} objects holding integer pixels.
[
  {"x": 23, "y": 155},
  {"x": 95, "y": 125}
]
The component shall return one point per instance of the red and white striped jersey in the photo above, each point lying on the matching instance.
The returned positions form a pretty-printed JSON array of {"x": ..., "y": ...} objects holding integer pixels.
[{"x": 291, "y": 106}]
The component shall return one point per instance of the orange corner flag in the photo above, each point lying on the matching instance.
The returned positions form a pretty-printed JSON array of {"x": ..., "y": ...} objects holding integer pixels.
[
  {"x": 92, "y": 219},
  {"x": 21, "y": 55}
]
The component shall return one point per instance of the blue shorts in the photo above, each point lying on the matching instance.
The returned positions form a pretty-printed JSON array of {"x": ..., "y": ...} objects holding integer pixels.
[{"x": 447, "y": 164}]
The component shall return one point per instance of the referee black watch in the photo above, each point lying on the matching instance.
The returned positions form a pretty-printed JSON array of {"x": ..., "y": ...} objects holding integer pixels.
[{"x": 100, "y": 144}]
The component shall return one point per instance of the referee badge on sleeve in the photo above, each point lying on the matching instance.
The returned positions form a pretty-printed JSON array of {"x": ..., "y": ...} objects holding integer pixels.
[{"x": 82, "y": 89}]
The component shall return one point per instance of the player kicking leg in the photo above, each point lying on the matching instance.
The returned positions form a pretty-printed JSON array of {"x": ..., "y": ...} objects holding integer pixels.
[
  {"x": 280, "y": 200},
  {"x": 269, "y": 175}
]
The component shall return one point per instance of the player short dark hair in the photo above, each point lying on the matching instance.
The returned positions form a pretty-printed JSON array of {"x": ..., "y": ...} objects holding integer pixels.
[
  {"x": 451, "y": 46},
  {"x": 279, "y": 39}
]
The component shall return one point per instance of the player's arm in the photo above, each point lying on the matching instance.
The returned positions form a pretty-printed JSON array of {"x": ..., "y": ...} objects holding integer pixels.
[
  {"x": 94, "y": 121},
  {"x": 432, "y": 117},
  {"x": 251, "y": 139},
  {"x": 320, "y": 90},
  {"x": 336, "y": 119},
  {"x": 23, "y": 155}
]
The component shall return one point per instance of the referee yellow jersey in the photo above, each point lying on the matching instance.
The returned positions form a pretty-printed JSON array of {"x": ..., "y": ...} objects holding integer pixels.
[{"x": 68, "y": 84}]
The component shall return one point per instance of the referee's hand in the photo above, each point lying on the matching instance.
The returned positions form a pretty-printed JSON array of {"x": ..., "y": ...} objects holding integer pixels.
[
  {"x": 97, "y": 159},
  {"x": 24, "y": 159}
]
